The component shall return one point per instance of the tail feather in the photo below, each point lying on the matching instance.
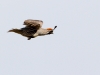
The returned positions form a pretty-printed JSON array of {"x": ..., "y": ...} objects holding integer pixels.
[
  {"x": 16, "y": 31},
  {"x": 26, "y": 32}
]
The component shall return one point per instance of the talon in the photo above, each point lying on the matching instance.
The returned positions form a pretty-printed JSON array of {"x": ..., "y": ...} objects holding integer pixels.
[{"x": 29, "y": 38}]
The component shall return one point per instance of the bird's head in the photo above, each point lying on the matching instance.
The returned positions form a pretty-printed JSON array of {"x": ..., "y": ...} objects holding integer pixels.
[{"x": 50, "y": 30}]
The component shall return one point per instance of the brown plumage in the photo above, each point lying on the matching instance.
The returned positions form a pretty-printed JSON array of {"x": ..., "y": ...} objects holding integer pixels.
[
  {"x": 16, "y": 31},
  {"x": 33, "y": 29}
]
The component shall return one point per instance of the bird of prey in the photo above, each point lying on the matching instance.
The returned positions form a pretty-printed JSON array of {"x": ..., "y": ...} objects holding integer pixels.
[{"x": 32, "y": 29}]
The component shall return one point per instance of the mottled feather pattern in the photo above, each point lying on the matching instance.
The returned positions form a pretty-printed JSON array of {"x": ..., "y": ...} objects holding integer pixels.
[
  {"x": 35, "y": 23},
  {"x": 28, "y": 31}
]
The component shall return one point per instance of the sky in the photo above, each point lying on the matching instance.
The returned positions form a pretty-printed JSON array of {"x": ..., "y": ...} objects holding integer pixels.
[{"x": 73, "y": 49}]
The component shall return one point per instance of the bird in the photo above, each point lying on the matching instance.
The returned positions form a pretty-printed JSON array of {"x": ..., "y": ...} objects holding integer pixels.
[{"x": 33, "y": 28}]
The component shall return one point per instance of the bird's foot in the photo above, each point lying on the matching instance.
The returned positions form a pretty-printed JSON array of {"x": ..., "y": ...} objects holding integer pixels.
[{"x": 30, "y": 37}]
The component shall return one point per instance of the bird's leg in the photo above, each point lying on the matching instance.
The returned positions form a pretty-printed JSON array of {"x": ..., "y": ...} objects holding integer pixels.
[{"x": 29, "y": 38}]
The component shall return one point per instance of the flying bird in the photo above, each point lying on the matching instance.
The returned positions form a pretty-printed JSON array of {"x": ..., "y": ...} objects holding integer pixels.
[{"x": 33, "y": 28}]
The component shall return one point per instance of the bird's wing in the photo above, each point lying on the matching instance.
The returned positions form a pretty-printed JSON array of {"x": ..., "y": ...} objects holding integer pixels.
[{"x": 33, "y": 23}]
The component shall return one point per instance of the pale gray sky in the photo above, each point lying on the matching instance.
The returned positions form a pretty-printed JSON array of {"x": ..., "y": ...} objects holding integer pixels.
[{"x": 74, "y": 49}]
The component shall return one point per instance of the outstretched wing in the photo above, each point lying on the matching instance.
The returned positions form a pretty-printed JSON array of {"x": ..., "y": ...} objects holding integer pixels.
[{"x": 33, "y": 23}]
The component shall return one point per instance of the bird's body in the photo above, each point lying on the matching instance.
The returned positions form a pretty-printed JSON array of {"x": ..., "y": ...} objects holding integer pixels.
[{"x": 33, "y": 29}]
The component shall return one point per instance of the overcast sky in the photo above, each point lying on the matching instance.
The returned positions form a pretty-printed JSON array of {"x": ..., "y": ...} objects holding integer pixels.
[{"x": 73, "y": 49}]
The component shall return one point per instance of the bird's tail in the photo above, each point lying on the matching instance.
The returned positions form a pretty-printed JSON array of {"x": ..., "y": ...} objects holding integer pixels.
[{"x": 18, "y": 31}]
